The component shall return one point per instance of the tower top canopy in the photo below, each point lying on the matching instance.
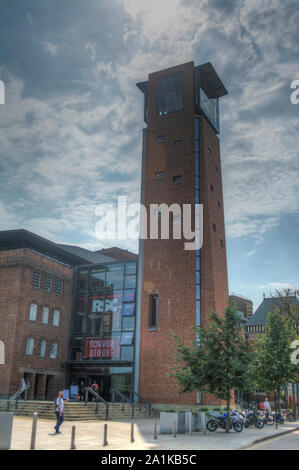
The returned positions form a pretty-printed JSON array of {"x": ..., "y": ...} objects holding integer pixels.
[{"x": 210, "y": 82}]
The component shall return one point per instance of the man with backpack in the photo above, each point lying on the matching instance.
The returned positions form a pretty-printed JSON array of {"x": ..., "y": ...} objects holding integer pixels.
[{"x": 58, "y": 405}]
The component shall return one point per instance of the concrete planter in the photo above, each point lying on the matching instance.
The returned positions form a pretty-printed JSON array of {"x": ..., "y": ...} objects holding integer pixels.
[
  {"x": 6, "y": 421},
  {"x": 198, "y": 422},
  {"x": 166, "y": 422}
]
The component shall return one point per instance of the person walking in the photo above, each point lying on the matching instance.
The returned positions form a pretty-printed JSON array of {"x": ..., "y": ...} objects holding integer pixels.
[
  {"x": 81, "y": 391},
  {"x": 22, "y": 388},
  {"x": 59, "y": 404},
  {"x": 95, "y": 388}
]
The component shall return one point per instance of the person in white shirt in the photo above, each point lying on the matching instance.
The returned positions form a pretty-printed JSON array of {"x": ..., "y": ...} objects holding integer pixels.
[
  {"x": 267, "y": 407},
  {"x": 59, "y": 411}
]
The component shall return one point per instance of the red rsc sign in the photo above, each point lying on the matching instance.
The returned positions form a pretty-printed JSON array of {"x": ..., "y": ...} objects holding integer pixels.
[{"x": 102, "y": 348}]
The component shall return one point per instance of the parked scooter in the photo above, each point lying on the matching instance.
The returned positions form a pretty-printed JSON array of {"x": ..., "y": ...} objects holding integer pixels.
[{"x": 216, "y": 420}]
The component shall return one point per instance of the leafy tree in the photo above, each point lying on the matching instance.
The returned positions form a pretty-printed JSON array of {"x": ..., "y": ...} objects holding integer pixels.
[
  {"x": 271, "y": 366},
  {"x": 284, "y": 301},
  {"x": 218, "y": 364}
]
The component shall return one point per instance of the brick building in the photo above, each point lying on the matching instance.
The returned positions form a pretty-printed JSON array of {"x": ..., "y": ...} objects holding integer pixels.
[
  {"x": 35, "y": 309},
  {"x": 244, "y": 307},
  {"x": 181, "y": 165}
]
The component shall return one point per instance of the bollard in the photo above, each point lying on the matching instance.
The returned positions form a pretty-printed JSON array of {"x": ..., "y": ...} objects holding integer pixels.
[
  {"x": 73, "y": 447},
  {"x": 155, "y": 431},
  {"x": 105, "y": 443},
  {"x": 173, "y": 429},
  {"x": 33, "y": 432},
  {"x": 190, "y": 424},
  {"x": 205, "y": 424},
  {"x": 132, "y": 432}
]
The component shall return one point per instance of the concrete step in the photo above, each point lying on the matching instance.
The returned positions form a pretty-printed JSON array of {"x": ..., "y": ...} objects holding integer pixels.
[{"x": 78, "y": 411}]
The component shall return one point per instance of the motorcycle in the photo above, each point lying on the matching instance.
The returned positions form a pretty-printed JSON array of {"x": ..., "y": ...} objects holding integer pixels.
[
  {"x": 252, "y": 417},
  {"x": 271, "y": 418},
  {"x": 216, "y": 420}
]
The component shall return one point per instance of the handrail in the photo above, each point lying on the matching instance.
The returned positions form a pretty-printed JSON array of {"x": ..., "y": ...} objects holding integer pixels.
[
  {"x": 17, "y": 394},
  {"x": 124, "y": 399},
  {"x": 140, "y": 400},
  {"x": 98, "y": 398}
]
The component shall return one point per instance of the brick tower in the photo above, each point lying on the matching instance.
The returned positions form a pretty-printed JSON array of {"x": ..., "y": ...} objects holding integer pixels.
[{"x": 180, "y": 165}]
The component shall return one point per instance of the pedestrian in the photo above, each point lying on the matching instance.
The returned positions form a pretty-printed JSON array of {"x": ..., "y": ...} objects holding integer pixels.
[
  {"x": 22, "y": 388},
  {"x": 95, "y": 388},
  {"x": 59, "y": 404},
  {"x": 267, "y": 407},
  {"x": 81, "y": 391}
]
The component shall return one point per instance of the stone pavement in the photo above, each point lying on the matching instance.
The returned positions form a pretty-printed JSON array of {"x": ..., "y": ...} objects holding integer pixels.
[{"x": 89, "y": 436}]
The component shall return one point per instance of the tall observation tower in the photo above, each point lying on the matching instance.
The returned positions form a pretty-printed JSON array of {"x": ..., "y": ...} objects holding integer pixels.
[{"x": 180, "y": 165}]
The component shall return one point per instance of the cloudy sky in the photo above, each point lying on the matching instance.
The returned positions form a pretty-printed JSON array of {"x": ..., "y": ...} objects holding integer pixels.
[{"x": 70, "y": 135}]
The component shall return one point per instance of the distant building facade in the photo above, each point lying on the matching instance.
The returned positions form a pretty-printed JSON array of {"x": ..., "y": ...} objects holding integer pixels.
[
  {"x": 244, "y": 307},
  {"x": 36, "y": 278},
  {"x": 256, "y": 326}
]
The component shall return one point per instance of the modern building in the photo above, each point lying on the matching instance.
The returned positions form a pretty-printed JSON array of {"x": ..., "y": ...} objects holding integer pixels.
[
  {"x": 36, "y": 278},
  {"x": 180, "y": 165},
  {"x": 102, "y": 345}
]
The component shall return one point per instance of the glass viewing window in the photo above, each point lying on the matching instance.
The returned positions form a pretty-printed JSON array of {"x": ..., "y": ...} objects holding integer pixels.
[{"x": 170, "y": 94}]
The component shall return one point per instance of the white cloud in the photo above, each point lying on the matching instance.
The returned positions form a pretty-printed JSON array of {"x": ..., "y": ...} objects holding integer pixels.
[
  {"x": 50, "y": 48},
  {"x": 273, "y": 286}
]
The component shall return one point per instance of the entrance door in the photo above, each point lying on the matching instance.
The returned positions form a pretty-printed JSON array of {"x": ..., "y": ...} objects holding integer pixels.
[{"x": 104, "y": 382}]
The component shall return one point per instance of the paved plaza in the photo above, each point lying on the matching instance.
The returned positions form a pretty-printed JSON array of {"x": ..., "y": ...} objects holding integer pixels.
[{"x": 89, "y": 436}]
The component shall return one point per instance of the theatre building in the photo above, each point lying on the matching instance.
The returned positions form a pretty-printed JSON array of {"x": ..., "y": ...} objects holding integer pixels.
[
  {"x": 36, "y": 277},
  {"x": 102, "y": 345}
]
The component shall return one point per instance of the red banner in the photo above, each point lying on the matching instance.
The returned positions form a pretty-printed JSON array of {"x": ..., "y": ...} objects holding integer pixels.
[{"x": 102, "y": 348}]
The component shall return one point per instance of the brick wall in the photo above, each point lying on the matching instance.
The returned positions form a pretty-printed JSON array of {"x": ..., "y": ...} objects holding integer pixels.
[
  {"x": 168, "y": 269},
  {"x": 17, "y": 294}
]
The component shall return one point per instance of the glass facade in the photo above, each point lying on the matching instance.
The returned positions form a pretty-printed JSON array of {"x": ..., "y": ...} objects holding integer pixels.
[
  {"x": 102, "y": 342},
  {"x": 170, "y": 94}
]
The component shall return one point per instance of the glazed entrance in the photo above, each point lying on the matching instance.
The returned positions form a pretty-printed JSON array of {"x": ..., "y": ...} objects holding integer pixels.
[{"x": 104, "y": 383}]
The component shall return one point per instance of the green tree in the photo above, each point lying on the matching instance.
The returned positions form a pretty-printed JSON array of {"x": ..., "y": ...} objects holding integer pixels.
[
  {"x": 218, "y": 363},
  {"x": 271, "y": 366}
]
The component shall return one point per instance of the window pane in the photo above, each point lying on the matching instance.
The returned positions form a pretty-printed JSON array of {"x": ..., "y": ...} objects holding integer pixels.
[
  {"x": 82, "y": 281},
  {"x": 130, "y": 282},
  {"x": 128, "y": 323},
  {"x": 128, "y": 309},
  {"x": 42, "y": 348},
  {"x": 53, "y": 350},
  {"x": 33, "y": 312},
  {"x": 115, "y": 276},
  {"x": 126, "y": 339},
  {"x": 97, "y": 280},
  {"x": 170, "y": 94},
  {"x": 36, "y": 280},
  {"x": 130, "y": 268},
  {"x": 59, "y": 287},
  {"x": 45, "y": 317},
  {"x": 127, "y": 353},
  {"x": 29, "y": 346},
  {"x": 129, "y": 296},
  {"x": 48, "y": 284},
  {"x": 56, "y": 317}
]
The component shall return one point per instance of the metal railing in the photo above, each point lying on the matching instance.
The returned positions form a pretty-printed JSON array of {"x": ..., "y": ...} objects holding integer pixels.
[
  {"x": 98, "y": 398},
  {"x": 119, "y": 397},
  {"x": 134, "y": 397},
  {"x": 17, "y": 395}
]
